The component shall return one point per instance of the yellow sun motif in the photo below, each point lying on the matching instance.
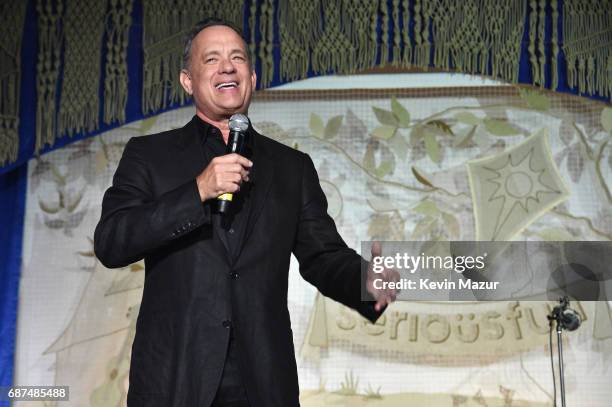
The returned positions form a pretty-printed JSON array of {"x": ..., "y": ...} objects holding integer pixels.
[{"x": 517, "y": 183}]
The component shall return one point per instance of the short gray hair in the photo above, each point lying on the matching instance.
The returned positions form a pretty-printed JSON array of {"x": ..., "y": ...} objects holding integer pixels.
[{"x": 211, "y": 22}]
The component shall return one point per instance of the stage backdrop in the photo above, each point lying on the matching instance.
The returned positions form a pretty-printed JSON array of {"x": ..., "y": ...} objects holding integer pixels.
[{"x": 394, "y": 166}]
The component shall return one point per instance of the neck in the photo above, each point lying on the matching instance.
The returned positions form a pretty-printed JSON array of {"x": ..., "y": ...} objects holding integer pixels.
[{"x": 222, "y": 124}]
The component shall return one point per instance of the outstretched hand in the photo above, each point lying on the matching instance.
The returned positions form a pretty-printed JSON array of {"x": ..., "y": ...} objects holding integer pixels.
[{"x": 382, "y": 296}]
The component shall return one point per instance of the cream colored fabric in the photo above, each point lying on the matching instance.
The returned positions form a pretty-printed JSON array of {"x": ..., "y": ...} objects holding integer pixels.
[{"x": 393, "y": 165}]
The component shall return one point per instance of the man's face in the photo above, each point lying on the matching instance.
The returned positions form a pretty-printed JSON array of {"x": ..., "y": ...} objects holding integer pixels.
[{"x": 219, "y": 75}]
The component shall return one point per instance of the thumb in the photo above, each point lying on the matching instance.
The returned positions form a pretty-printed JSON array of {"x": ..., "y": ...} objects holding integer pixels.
[{"x": 376, "y": 249}]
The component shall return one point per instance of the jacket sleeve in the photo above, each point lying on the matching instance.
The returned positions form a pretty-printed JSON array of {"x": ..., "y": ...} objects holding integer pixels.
[
  {"x": 325, "y": 259},
  {"x": 133, "y": 222}
]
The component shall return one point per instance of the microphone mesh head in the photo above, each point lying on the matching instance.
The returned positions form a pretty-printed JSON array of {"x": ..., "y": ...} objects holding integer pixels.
[{"x": 239, "y": 122}]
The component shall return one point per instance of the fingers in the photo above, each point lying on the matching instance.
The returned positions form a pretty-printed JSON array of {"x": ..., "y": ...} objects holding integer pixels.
[
  {"x": 224, "y": 174},
  {"x": 376, "y": 249},
  {"x": 234, "y": 158}
]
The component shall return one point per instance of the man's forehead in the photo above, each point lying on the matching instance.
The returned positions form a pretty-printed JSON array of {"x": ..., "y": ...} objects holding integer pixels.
[{"x": 220, "y": 35}]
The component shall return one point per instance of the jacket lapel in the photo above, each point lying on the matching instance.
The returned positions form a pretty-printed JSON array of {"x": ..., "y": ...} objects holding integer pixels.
[
  {"x": 191, "y": 161},
  {"x": 261, "y": 177}
]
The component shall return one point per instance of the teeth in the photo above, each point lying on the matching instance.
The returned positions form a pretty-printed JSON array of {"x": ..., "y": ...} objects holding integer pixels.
[{"x": 227, "y": 85}]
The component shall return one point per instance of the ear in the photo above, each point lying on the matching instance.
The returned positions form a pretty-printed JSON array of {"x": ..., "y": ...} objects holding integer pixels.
[
  {"x": 253, "y": 79},
  {"x": 185, "y": 79}
]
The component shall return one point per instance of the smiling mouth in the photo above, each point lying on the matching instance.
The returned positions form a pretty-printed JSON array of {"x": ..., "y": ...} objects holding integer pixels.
[{"x": 227, "y": 85}]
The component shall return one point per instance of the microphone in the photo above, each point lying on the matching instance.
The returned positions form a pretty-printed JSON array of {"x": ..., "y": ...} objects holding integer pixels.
[
  {"x": 566, "y": 317},
  {"x": 238, "y": 125}
]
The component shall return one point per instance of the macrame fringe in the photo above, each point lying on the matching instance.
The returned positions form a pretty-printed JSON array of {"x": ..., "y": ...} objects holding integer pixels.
[
  {"x": 83, "y": 32},
  {"x": 116, "y": 79},
  {"x": 166, "y": 23},
  {"x": 12, "y": 14},
  {"x": 587, "y": 30},
  {"x": 50, "y": 14}
]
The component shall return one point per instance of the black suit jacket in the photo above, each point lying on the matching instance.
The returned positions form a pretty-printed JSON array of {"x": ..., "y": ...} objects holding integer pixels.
[{"x": 194, "y": 289}]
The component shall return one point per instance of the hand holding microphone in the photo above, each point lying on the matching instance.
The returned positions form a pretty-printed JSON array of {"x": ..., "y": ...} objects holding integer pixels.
[{"x": 224, "y": 174}]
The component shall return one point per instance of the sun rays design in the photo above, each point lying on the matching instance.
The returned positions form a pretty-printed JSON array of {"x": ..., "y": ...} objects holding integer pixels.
[{"x": 517, "y": 183}]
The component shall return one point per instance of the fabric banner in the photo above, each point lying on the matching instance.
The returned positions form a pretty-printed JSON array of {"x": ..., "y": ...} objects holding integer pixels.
[
  {"x": 436, "y": 333},
  {"x": 393, "y": 164}
]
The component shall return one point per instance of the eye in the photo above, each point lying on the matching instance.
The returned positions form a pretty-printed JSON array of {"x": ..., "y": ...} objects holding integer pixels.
[
  {"x": 239, "y": 58},
  {"x": 210, "y": 60}
]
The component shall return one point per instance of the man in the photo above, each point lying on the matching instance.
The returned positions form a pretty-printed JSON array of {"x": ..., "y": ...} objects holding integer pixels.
[{"x": 213, "y": 327}]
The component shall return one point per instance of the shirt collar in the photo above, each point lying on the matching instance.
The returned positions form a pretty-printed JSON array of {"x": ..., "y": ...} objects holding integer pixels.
[{"x": 206, "y": 130}]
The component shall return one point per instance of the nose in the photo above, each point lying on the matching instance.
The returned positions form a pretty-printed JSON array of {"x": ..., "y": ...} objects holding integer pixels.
[{"x": 226, "y": 66}]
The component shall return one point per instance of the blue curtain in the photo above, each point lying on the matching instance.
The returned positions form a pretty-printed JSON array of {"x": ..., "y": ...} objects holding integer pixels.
[{"x": 12, "y": 211}]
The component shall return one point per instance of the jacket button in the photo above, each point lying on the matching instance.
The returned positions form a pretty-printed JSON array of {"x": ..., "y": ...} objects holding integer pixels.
[
  {"x": 227, "y": 323},
  {"x": 234, "y": 275}
]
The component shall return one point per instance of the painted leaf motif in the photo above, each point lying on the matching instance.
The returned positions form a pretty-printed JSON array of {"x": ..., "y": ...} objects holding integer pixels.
[
  {"x": 101, "y": 160},
  {"x": 403, "y": 116},
  {"x": 385, "y": 117},
  {"x": 452, "y": 224},
  {"x": 147, "y": 124},
  {"x": 424, "y": 228},
  {"x": 468, "y": 118},
  {"x": 136, "y": 267},
  {"x": 534, "y": 99},
  {"x": 466, "y": 139},
  {"x": 369, "y": 161},
  {"x": 606, "y": 119},
  {"x": 399, "y": 145},
  {"x": 384, "y": 132},
  {"x": 555, "y": 235},
  {"x": 379, "y": 226},
  {"x": 332, "y": 127},
  {"x": 415, "y": 135},
  {"x": 428, "y": 208},
  {"x": 500, "y": 128},
  {"x": 316, "y": 125},
  {"x": 385, "y": 168},
  {"x": 441, "y": 126},
  {"x": 48, "y": 208},
  {"x": 432, "y": 147},
  {"x": 417, "y": 174}
]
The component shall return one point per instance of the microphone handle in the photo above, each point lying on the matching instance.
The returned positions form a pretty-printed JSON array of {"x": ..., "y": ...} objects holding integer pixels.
[{"x": 235, "y": 144}]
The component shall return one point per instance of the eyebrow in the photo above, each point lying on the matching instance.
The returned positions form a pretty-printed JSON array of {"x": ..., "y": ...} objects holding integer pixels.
[{"x": 215, "y": 52}]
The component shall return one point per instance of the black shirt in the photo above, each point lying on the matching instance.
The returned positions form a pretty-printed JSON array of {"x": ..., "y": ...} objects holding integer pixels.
[{"x": 229, "y": 227}]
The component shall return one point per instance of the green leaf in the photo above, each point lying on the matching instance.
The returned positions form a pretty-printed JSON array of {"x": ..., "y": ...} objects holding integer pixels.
[
  {"x": 399, "y": 145},
  {"x": 534, "y": 99},
  {"x": 385, "y": 117},
  {"x": 440, "y": 126},
  {"x": 421, "y": 178},
  {"x": 606, "y": 119},
  {"x": 427, "y": 208},
  {"x": 369, "y": 161},
  {"x": 432, "y": 147},
  {"x": 464, "y": 140},
  {"x": 555, "y": 235},
  {"x": 468, "y": 118},
  {"x": 452, "y": 224},
  {"x": 332, "y": 127},
  {"x": 379, "y": 226},
  {"x": 423, "y": 228},
  {"x": 416, "y": 135},
  {"x": 136, "y": 267},
  {"x": 386, "y": 167},
  {"x": 316, "y": 125},
  {"x": 500, "y": 128},
  {"x": 48, "y": 208},
  {"x": 400, "y": 112},
  {"x": 384, "y": 132},
  {"x": 147, "y": 124}
]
